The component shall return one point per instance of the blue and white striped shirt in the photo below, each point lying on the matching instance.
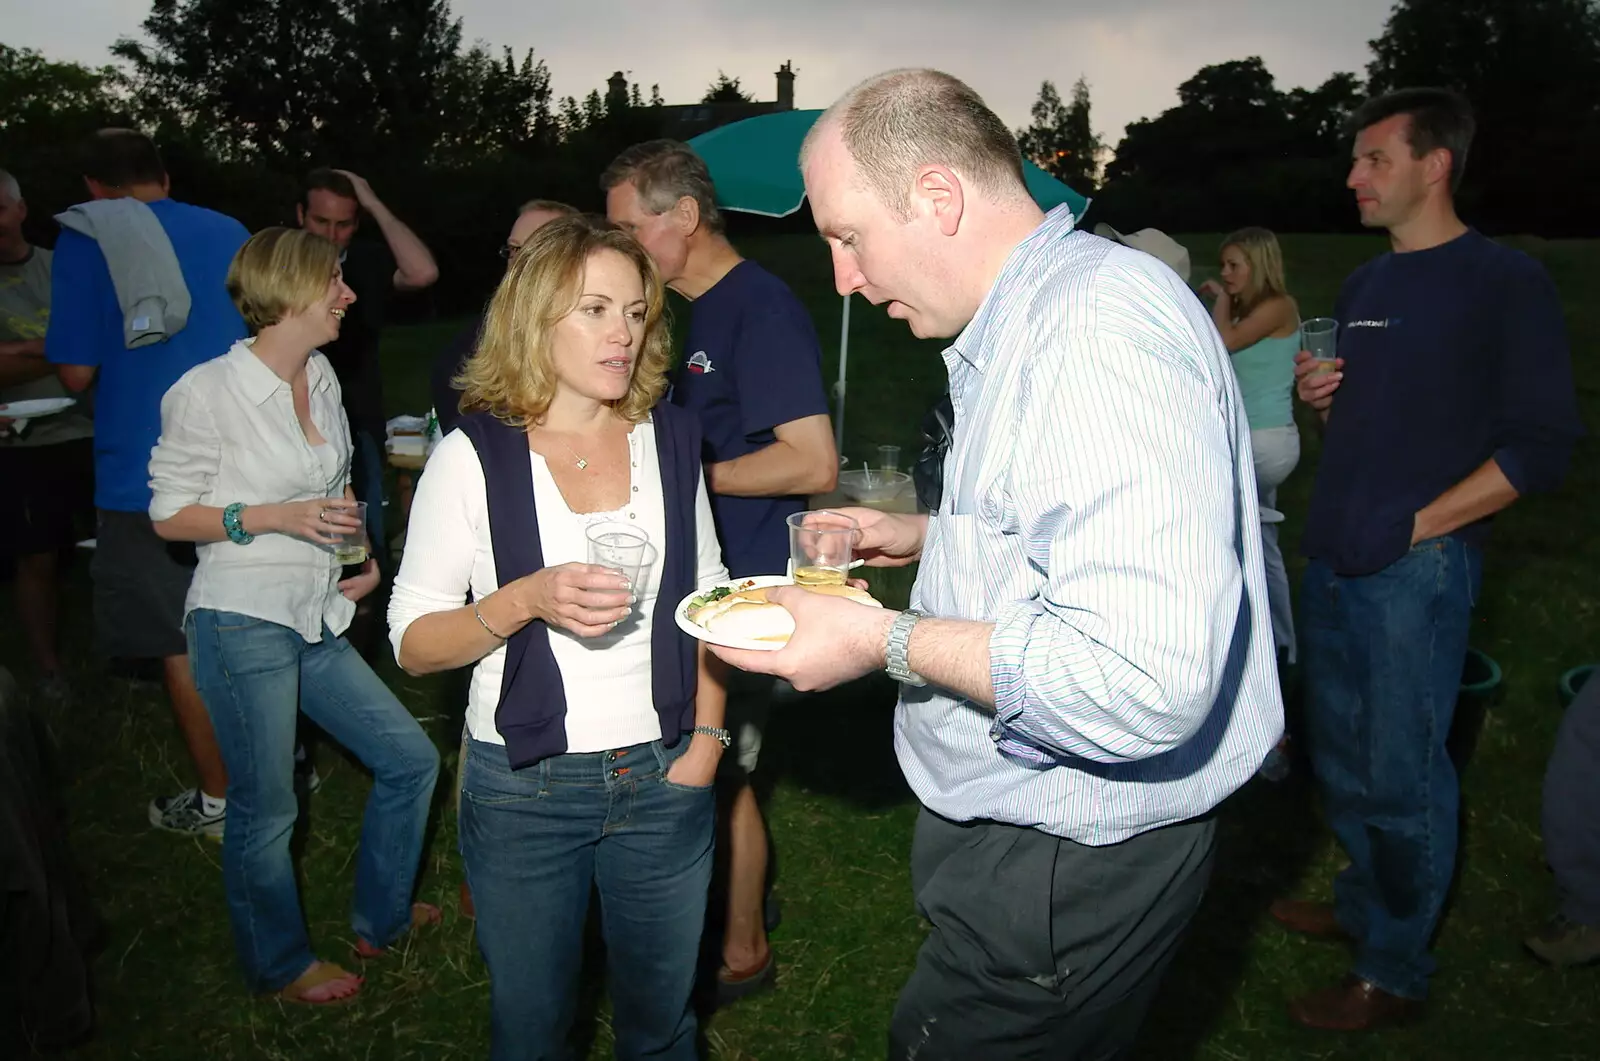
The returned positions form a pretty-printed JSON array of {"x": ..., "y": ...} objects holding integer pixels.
[{"x": 1100, "y": 509}]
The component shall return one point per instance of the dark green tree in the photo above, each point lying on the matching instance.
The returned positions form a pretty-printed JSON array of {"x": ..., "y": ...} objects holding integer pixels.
[
  {"x": 1531, "y": 69},
  {"x": 1061, "y": 141},
  {"x": 726, "y": 89},
  {"x": 1237, "y": 151},
  {"x": 286, "y": 82}
]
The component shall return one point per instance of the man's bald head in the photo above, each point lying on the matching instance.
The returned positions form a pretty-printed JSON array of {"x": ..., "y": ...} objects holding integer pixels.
[{"x": 895, "y": 123}]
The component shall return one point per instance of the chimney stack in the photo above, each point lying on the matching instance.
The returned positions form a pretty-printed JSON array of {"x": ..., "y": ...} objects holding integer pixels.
[{"x": 786, "y": 86}]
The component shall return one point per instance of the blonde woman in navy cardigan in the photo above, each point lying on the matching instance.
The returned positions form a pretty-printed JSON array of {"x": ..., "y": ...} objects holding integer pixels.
[{"x": 594, "y": 724}]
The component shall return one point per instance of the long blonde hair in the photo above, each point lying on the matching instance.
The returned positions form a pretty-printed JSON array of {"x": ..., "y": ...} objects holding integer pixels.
[
  {"x": 511, "y": 374},
  {"x": 1260, "y": 248}
]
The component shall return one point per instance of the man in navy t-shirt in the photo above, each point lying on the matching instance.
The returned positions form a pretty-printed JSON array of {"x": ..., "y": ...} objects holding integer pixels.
[
  {"x": 140, "y": 581},
  {"x": 1451, "y": 398},
  {"x": 752, "y": 370}
]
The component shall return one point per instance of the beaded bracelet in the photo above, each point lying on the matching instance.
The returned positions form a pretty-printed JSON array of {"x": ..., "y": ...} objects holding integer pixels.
[{"x": 233, "y": 523}]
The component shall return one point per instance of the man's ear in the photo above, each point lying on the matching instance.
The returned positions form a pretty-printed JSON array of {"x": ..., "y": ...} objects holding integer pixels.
[
  {"x": 1438, "y": 165},
  {"x": 300, "y": 215},
  {"x": 936, "y": 192},
  {"x": 686, "y": 214}
]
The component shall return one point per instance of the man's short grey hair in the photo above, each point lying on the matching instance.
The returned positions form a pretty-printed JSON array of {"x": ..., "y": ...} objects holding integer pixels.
[
  {"x": 897, "y": 122},
  {"x": 9, "y": 186},
  {"x": 663, "y": 172}
]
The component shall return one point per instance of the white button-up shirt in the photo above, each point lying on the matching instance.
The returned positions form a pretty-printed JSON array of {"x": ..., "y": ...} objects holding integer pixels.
[
  {"x": 229, "y": 433},
  {"x": 1099, "y": 509}
]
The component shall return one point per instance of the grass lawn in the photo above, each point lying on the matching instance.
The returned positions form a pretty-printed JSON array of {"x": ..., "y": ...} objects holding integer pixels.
[{"x": 841, "y": 814}]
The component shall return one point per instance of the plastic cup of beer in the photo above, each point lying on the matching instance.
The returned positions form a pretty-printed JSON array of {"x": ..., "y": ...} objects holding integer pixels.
[
  {"x": 821, "y": 545},
  {"x": 888, "y": 458},
  {"x": 352, "y": 548},
  {"x": 1319, "y": 337}
]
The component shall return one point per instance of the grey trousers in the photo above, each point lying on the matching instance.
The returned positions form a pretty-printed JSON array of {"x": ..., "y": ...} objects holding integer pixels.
[
  {"x": 1571, "y": 824},
  {"x": 1042, "y": 948}
]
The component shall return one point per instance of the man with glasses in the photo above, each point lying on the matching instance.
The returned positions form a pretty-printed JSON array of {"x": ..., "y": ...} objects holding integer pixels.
[{"x": 532, "y": 216}]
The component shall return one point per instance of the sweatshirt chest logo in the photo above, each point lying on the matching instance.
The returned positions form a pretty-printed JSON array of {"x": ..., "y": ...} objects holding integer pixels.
[
  {"x": 1382, "y": 322},
  {"x": 699, "y": 363}
]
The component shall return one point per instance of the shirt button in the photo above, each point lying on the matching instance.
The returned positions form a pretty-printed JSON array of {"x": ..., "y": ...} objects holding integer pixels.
[
  {"x": 633, "y": 515},
  {"x": 636, "y": 489}
]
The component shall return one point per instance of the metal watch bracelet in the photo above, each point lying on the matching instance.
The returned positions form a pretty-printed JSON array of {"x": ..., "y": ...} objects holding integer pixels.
[{"x": 896, "y": 649}]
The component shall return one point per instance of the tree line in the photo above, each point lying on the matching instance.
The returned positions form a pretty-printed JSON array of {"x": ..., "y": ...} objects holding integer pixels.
[{"x": 245, "y": 95}]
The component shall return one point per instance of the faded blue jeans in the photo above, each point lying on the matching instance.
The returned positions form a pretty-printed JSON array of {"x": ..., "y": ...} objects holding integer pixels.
[
  {"x": 253, "y": 675},
  {"x": 535, "y": 841},
  {"x": 1383, "y": 655}
]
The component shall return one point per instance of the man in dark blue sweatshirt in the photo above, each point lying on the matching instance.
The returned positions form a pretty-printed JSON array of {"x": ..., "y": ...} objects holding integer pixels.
[{"x": 1451, "y": 397}]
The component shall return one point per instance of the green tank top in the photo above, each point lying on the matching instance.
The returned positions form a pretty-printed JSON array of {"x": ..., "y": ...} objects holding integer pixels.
[{"x": 1266, "y": 379}]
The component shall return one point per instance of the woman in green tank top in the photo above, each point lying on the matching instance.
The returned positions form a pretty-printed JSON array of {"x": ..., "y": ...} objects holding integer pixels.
[{"x": 1260, "y": 323}]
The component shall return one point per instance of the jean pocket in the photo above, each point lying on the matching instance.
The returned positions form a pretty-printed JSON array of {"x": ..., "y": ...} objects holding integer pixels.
[
  {"x": 490, "y": 784},
  {"x": 676, "y": 787},
  {"x": 232, "y": 622}
]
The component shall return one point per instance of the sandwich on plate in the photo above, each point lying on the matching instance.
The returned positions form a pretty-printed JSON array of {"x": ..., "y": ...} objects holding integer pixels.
[{"x": 749, "y": 615}]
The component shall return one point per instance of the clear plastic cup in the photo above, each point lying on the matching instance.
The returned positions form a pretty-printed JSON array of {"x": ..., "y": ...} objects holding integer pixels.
[
  {"x": 619, "y": 547},
  {"x": 1319, "y": 337},
  {"x": 821, "y": 546},
  {"x": 352, "y": 551}
]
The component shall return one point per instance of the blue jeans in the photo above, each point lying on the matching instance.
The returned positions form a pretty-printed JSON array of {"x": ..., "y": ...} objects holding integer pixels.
[
  {"x": 366, "y": 478},
  {"x": 252, "y": 674},
  {"x": 535, "y": 841},
  {"x": 1383, "y": 655}
]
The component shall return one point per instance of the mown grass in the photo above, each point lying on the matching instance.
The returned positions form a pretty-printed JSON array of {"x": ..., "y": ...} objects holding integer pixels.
[{"x": 841, "y": 814}]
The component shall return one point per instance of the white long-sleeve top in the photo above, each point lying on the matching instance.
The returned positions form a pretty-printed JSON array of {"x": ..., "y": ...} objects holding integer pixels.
[
  {"x": 229, "y": 433},
  {"x": 449, "y": 551}
]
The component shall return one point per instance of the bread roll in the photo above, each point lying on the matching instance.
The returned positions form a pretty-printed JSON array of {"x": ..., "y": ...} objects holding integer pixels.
[{"x": 748, "y": 614}]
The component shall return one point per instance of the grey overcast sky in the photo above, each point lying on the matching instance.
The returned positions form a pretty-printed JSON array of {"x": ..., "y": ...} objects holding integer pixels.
[{"x": 1134, "y": 52}]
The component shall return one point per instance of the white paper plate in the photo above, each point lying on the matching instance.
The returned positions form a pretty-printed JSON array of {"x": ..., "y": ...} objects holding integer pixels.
[
  {"x": 695, "y": 630},
  {"x": 27, "y": 408}
]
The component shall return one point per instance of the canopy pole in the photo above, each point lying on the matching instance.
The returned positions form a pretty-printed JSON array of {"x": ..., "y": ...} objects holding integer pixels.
[{"x": 838, "y": 388}]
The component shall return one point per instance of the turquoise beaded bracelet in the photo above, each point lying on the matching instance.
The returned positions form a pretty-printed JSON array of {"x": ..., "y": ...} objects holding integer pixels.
[{"x": 233, "y": 523}]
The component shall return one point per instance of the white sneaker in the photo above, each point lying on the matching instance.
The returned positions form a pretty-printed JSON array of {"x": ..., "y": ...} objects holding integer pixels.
[{"x": 185, "y": 813}]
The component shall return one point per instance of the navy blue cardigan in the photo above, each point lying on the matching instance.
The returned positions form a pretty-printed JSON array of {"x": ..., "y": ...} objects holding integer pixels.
[{"x": 532, "y": 712}]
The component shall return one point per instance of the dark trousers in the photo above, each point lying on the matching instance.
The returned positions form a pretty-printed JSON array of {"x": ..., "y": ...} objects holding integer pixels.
[
  {"x": 1383, "y": 655},
  {"x": 1042, "y": 948},
  {"x": 1571, "y": 822}
]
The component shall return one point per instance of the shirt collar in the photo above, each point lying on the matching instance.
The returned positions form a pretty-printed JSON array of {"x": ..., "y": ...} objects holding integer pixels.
[
  {"x": 970, "y": 346},
  {"x": 260, "y": 383}
]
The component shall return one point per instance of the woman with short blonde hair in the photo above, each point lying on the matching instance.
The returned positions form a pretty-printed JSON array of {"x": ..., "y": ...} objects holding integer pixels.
[
  {"x": 594, "y": 724},
  {"x": 253, "y": 464},
  {"x": 1260, "y": 323}
]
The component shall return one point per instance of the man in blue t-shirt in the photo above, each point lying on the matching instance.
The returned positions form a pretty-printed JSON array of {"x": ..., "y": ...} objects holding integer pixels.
[
  {"x": 140, "y": 581},
  {"x": 1451, "y": 398},
  {"x": 752, "y": 371}
]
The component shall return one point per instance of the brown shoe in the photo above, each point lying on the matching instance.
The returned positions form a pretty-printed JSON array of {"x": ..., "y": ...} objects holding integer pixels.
[
  {"x": 1308, "y": 918},
  {"x": 1353, "y": 1006}
]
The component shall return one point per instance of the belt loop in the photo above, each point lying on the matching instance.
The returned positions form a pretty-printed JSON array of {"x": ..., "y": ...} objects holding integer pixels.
[
  {"x": 661, "y": 756},
  {"x": 544, "y": 776}
]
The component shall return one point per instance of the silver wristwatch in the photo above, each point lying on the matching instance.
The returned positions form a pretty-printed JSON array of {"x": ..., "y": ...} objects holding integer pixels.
[
  {"x": 899, "y": 643},
  {"x": 722, "y": 736}
]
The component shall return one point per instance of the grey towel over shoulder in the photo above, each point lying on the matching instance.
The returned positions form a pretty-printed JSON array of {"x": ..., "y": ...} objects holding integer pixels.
[{"x": 144, "y": 268}]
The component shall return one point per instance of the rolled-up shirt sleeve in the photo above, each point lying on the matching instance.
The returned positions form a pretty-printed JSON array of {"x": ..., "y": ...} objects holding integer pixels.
[
  {"x": 1129, "y": 501},
  {"x": 1536, "y": 420},
  {"x": 187, "y": 456}
]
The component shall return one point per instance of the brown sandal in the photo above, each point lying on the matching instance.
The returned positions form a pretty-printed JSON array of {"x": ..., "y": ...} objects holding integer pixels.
[
  {"x": 421, "y": 914},
  {"x": 314, "y": 987}
]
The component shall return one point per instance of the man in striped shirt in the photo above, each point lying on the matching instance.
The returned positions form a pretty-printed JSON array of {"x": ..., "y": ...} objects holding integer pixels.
[{"x": 1088, "y": 659}]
